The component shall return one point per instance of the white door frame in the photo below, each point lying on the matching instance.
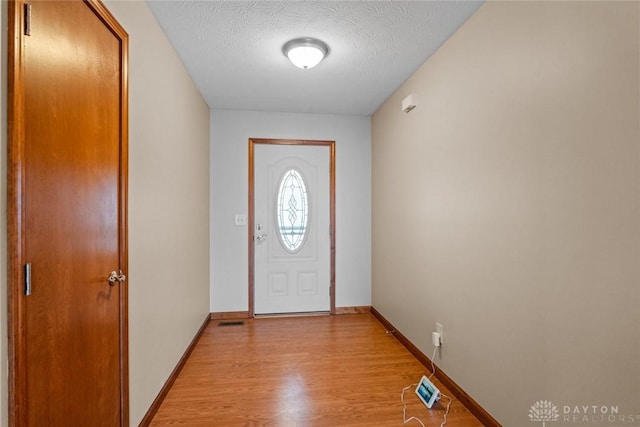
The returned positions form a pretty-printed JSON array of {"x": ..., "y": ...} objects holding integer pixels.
[{"x": 332, "y": 213}]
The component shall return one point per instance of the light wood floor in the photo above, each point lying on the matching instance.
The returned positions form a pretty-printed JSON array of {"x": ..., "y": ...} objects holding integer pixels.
[{"x": 301, "y": 371}]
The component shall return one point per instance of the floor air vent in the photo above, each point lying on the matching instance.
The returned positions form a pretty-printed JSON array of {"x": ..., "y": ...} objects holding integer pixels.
[{"x": 231, "y": 323}]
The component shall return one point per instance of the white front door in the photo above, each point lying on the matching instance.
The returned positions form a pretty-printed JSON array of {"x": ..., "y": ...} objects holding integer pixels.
[{"x": 292, "y": 239}]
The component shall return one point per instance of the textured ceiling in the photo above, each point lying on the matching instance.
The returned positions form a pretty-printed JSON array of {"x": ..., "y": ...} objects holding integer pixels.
[{"x": 233, "y": 49}]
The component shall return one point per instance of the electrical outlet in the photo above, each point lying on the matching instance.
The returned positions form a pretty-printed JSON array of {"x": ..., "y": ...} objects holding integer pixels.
[{"x": 439, "y": 330}]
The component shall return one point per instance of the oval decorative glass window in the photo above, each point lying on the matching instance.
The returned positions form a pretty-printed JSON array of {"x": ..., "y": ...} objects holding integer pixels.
[{"x": 292, "y": 210}]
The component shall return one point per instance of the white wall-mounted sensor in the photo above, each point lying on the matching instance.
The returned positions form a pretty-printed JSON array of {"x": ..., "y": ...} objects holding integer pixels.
[{"x": 409, "y": 103}]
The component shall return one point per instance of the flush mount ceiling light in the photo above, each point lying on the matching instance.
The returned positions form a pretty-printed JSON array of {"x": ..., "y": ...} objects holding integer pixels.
[{"x": 305, "y": 52}]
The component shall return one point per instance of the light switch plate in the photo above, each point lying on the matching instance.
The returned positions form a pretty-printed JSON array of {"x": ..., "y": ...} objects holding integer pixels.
[{"x": 241, "y": 219}]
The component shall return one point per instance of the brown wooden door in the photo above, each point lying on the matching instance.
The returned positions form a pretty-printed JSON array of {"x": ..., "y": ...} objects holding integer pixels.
[{"x": 68, "y": 213}]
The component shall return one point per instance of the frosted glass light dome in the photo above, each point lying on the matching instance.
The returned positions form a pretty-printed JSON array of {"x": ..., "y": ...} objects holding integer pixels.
[{"x": 305, "y": 53}]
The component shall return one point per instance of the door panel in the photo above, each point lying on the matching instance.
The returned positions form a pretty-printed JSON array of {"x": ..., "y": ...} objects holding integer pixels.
[
  {"x": 293, "y": 266},
  {"x": 70, "y": 364}
]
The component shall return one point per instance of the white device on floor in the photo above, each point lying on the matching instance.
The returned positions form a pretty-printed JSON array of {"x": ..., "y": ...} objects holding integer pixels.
[{"x": 427, "y": 392}]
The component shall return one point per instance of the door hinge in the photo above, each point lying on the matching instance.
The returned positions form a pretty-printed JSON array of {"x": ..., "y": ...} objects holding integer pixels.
[
  {"x": 27, "y": 279},
  {"x": 27, "y": 19}
]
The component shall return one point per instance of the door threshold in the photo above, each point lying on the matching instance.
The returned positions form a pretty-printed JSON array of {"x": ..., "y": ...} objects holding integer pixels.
[{"x": 300, "y": 314}]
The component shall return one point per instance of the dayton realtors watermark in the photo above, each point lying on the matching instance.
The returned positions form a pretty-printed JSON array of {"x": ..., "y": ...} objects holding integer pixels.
[
  {"x": 596, "y": 414},
  {"x": 546, "y": 411}
]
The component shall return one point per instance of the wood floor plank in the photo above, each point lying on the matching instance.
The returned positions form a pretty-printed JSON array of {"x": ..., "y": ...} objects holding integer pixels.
[{"x": 321, "y": 371}]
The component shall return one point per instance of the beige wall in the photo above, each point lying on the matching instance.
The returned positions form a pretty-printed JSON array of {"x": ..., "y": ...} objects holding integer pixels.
[
  {"x": 168, "y": 208},
  {"x": 168, "y": 205},
  {"x": 507, "y": 207}
]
